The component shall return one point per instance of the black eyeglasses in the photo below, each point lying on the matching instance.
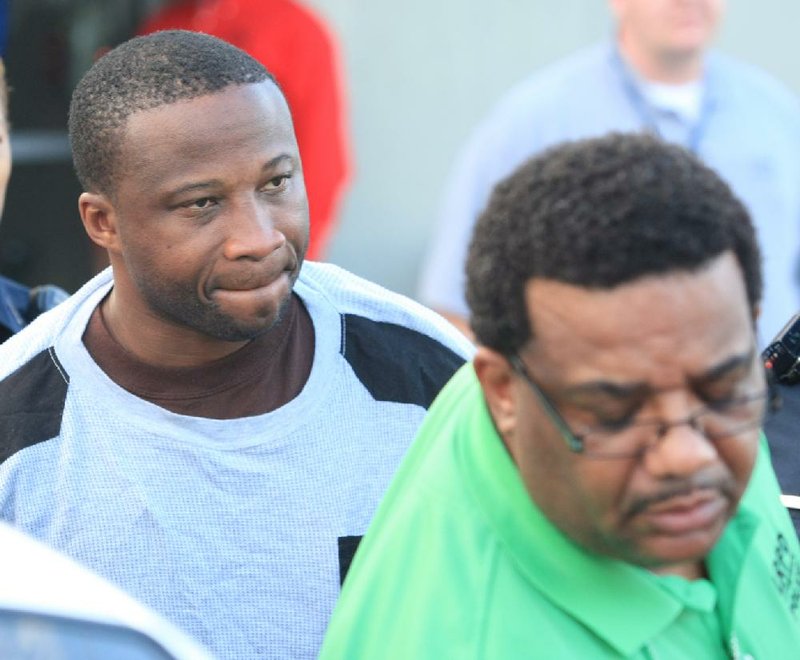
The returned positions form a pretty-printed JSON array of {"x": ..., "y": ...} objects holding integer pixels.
[{"x": 724, "y": 419}]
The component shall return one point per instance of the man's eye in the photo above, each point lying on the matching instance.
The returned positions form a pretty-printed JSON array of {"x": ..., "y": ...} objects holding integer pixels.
[
  {"x": 202, "y": 203},
  {"x": 719, "y": 398},
  {"x": 278, "y": 182},
  {"x": 613, "y": 424},
  {"x": 605, "y": 421},
  {"x": 723, "y": 403}
]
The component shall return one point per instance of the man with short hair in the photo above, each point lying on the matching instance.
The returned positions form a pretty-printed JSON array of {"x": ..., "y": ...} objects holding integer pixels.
[
  {"x": 210, "y": 423},
  {"x": 657, "y": 75},
  {"x": 594, "y": 484}
]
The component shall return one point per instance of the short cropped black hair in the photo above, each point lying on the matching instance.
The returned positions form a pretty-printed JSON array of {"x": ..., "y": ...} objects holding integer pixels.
[
  {"x": 598, "y": 213},
  {"x": 141, "y": 74}
]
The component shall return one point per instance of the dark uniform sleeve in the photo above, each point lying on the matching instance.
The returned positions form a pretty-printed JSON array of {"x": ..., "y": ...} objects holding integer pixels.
[{"x": 783, "y": 434}]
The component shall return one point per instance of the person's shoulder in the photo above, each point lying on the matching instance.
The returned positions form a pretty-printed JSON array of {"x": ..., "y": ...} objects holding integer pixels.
[
  {"x": 33, "y": 378},
  {"x": 399, "y": 350},
  {"x": 357, "y": 298},
  {"x": 22, "y": 347},
  {"x": 576, "y": 66},
  {"x": 40, "y": 335},
  {"x": 19, "y": 305},
  {"x": 733, "y": 69},
  {"x": 26, "y": 302},
  {"x": 10, "y": 285},
  {"x": 14, "y": 299},
  {"x": 46, "y": 296},
  {"x": 541, "y": 99},
  {"x": 752, "y": 84},
  {"x": 33, "y": 386},
  {"x": 569, "y": 75},
  {"x": 13, "y": 290}
]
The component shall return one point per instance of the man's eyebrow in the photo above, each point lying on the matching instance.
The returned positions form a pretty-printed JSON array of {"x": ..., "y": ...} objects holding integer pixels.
[
  {"x": 194, "y": 187},
  {"x": 209, "y": 184},
  {"x": 606, "y": 388},
  {"x": 726, "y": 367},
  {"x": 633, "y": 390},
  {"x": 274, "y": 162}
]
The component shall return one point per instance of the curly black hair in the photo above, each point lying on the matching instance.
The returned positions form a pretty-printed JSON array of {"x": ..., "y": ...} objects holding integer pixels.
[
  {"x": 141, "y": 74},
  {"x": 597, "y": 213}
]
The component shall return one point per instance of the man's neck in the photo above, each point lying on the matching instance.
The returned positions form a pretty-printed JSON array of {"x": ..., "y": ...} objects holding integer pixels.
[
  {"x": 150, "y": 340},
  {"x": 671, "y": 68},
  {"x": 693, "y": 570}
]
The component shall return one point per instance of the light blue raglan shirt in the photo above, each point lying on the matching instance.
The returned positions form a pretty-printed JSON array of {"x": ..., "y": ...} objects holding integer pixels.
[{"x": 748, "y": 131}]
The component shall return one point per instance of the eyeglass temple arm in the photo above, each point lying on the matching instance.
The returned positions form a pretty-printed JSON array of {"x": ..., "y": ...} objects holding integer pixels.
[{"x": 575, "y": 443}]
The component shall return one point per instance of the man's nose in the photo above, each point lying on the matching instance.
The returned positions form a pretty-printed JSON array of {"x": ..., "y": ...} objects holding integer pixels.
[
  {"x": 251, "y": 231},
  {"x": 682, "y": 448}
]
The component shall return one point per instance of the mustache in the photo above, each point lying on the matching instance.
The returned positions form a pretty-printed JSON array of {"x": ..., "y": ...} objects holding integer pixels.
[{"x": 680, "y": 488}]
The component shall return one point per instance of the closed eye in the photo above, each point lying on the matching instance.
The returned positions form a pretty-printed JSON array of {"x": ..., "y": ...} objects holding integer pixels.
[
  {"x": 720, "y": 394},
  {"x": 722, "y": 404},
  {"x": 616, "y": 424},
  {"x": 607, "y": 413}
]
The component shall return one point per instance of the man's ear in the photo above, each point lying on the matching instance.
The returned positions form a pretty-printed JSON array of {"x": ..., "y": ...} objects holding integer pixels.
[
  {"x": 499, "y": 388},
  {"x": 99, "y": 220}
]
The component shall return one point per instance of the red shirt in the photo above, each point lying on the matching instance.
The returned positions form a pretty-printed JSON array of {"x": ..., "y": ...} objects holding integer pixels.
[{"x": 299, "y": 50}]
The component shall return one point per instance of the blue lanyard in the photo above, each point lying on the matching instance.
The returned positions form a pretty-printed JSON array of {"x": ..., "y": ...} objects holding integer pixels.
[{"x": 645, "y": 111}]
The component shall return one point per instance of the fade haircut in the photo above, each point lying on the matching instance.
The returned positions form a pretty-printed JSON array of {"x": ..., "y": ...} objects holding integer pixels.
[
  {"x": 142, "y": 74},
  {"x": 598, "y": 213}
]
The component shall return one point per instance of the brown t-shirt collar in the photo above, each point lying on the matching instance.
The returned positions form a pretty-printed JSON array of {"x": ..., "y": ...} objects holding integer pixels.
[{"x": 262, "y": 376}]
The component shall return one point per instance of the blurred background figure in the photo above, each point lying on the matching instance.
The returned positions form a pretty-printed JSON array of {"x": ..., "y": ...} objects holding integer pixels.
[
  {"x": 19, "y": 304},
  {"x": 656, "y": 75},
  {"x": 297, "y": 47}
]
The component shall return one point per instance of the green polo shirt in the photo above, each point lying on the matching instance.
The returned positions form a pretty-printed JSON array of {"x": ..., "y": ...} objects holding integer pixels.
[{"x": 460, "y": 563}]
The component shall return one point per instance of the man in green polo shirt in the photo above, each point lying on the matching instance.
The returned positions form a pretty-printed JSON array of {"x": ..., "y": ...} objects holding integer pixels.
[{"x": 594, "y": 483}]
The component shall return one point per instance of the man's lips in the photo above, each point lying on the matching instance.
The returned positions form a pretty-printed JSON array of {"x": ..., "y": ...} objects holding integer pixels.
[
  {"x": 250, "y": 282},
  {"x": 251, "y": 285},
  {"x": 686, "y": 513}
]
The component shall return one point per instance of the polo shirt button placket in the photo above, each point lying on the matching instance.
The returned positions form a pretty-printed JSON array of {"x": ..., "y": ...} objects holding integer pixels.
[{"x": 736, "y": 651}]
